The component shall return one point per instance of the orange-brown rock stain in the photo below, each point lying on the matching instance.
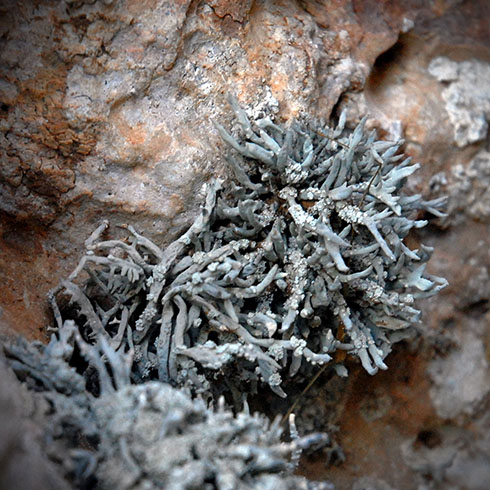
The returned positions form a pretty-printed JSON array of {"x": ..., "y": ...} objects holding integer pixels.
[
  {"x": 28, "y": 272},
  {"x": 42, "y": 100}
]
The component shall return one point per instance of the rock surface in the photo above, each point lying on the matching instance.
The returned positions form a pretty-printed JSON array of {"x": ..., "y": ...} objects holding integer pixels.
[
  {"x": 106, "y": 111},
  {"x": 466, "y": 97}
]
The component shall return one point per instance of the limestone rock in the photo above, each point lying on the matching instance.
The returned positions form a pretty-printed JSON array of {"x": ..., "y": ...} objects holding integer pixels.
[{"x": 467, "y": 97}]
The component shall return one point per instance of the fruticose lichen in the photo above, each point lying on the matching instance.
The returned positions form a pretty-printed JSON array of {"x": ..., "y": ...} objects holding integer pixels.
[
  {"x": 108, "y": 433},
  {"x": 301, "y": 255},
  {"x": 298, "y": 260}
]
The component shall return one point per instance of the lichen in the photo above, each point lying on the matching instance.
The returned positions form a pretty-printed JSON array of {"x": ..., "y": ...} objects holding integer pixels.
[
  {"x": 109, "y": 433},
  {"x": 300, "y": 255},
  {"x": 298, "y": 260}
]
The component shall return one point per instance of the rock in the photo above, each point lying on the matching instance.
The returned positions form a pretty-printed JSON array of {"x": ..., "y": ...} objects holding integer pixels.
[
  {"x": 468, "y": 188},
  {"x": 467, "y": 97},
  {"x": 460, "y": 379},
  {"x": 449, "y": 457}
]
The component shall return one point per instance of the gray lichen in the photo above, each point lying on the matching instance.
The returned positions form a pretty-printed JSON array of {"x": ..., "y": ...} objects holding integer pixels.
[
  {"x": 301, "y": 255},
  {"x": 297, "y": 261},
  {"x": 148, "y": 436}
]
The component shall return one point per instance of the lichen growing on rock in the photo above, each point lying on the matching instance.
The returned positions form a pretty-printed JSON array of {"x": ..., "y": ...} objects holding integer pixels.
[
  {"x": 148, "y": 436},
  {"x": 299, "y": 256}
]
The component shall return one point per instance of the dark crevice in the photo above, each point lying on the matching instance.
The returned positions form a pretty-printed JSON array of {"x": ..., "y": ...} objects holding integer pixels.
[{"x": 429, "y": 438}]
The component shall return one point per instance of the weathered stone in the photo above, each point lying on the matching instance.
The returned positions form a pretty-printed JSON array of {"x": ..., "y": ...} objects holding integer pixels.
[
  {"x": 467, "y": 97},
  {"x": 460, "y": 379},
  {"x": 469, "y": 189}
]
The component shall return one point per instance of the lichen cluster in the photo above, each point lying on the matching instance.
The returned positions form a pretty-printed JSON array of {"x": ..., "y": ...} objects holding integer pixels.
[
  {"x": 298, "y": 260},
  {"x": 117, "y": 435},
  {"x": 301, "y": 255}
]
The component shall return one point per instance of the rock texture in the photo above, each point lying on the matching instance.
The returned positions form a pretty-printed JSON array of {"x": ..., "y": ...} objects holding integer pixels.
[
  {"x": 466, "y": 97},
  {"x": 106, "y": 111}
]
